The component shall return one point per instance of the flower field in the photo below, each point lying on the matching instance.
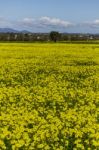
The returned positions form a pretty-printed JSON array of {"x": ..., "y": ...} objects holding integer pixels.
[{"x": 49, "y": 96}]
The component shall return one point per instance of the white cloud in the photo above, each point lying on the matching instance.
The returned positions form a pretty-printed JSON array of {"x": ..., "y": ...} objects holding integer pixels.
[
  {"x": 96, "y": 21},
  {"x": 48, "y": 24},
  {"x": 28, "y": 21},
  {"x": 45, "y": 22},
  {"x": 54, "y": 22},
  {"x": 92, "y": 24}
]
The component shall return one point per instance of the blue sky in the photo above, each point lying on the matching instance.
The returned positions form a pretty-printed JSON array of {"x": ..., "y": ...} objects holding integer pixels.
[{"x": 47, "y": 15}]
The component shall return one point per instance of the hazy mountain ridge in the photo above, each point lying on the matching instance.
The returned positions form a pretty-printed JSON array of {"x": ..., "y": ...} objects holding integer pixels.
[{"x": 11, "y": 30}]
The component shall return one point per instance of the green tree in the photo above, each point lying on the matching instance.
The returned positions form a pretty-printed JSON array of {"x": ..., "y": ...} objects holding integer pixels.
[{"x": 54, "y": 36}]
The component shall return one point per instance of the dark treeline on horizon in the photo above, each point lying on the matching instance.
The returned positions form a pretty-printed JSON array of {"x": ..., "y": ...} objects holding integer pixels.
[{"x": 46, "y": 37}]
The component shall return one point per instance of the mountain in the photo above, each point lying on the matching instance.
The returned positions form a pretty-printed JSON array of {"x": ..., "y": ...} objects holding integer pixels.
[
  {"x": 24, "y": 31},
  {"x": 10, "y": 30}
]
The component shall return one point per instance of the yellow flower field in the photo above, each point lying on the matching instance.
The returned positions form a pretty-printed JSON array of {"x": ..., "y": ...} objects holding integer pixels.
[{"x": 49, "y": 96}]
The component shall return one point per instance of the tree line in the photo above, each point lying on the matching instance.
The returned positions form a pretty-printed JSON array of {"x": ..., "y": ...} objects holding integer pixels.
[{"x": 46, "y": 37}]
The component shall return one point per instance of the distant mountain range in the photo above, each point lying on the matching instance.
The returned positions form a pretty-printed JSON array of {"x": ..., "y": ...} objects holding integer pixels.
[{"x": 10, "y": 30}]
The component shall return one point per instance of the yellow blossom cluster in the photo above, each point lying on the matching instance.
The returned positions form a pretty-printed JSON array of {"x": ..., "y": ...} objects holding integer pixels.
[{"x": 49, "y": 96}]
